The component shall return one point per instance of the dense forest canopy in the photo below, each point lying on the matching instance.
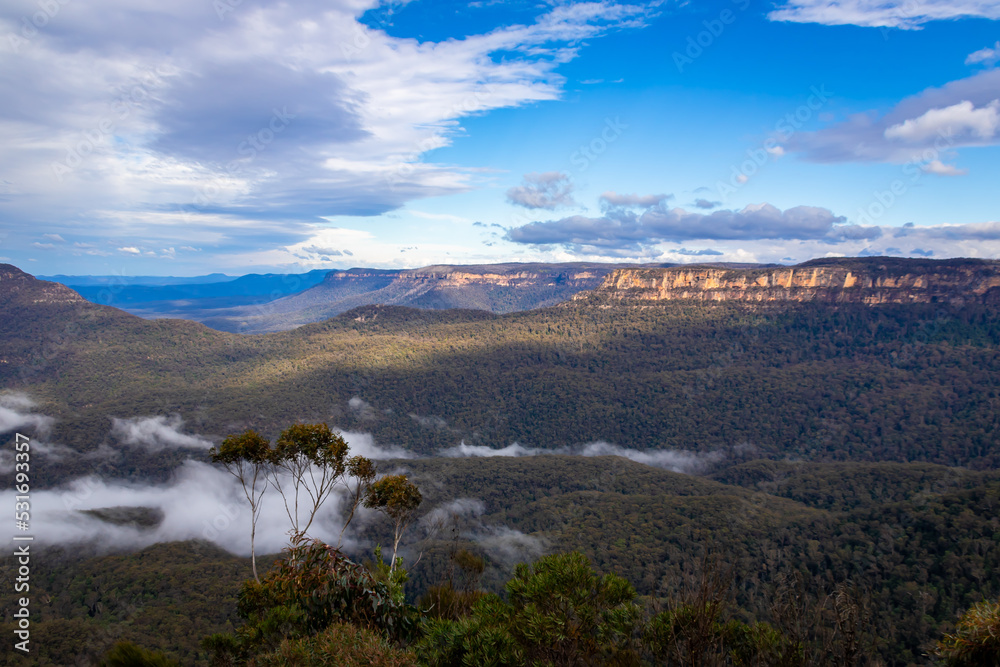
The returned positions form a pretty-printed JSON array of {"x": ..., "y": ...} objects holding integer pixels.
[{"x": 837, "y": 447}]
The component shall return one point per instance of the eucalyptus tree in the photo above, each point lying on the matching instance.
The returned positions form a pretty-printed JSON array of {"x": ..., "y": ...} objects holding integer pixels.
[
  {"x": 248, "y": 457},
  {"x": 398, "y": 498},
  {"x": 309, "y": 462}
]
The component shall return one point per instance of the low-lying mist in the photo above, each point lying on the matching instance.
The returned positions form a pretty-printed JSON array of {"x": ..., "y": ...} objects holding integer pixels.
[
  {"x": 201, "y": 501},
  {"x": 677, "y": 460}
]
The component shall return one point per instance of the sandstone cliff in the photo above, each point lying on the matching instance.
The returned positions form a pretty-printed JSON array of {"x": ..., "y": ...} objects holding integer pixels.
[
  {"x": 873, "y": 280},
  {"x": 497, "y": 288}
]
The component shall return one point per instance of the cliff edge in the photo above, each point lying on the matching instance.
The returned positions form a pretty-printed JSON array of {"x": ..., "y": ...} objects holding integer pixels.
[{"x": 870, "y": 280}]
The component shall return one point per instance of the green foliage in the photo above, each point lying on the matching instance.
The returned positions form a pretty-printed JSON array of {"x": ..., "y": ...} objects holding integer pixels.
[
  {"x": 697, "y": 635},
  {"x": 394, "y": 495},
  {"x": 299, "y": 452},
  {"x": 312, "y": 443},
  {"x": 976, "y": 640},
  {"x": 127, "y": 654},
  {"x": 444, "y": 602},
  {"x": 305, "y": 592},
  {"x": 340, "y": 644},
  {"x": 248, "y": 447},
  {"x": 165, "y": 598},
  {"x": 398, "y": 498},
  {"x": 818, "y": 382},
  {"x": 558, "y": 612},
  {"x": 393, "y": 577}
]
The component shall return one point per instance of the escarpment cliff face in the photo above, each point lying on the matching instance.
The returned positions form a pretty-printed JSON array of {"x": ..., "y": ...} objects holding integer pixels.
[
  {"x": 873, "y": 280},
  {"x": 498, "y": 288}
]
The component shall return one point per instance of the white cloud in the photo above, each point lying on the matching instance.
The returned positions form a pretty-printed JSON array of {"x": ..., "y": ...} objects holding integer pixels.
[
  {"x": 932, "y": 124},
  {"x": 676, "y": 460},
  {"x": 611, "y": 198},
  {"x": 942, "y": 169},
  {"x": 956, "y": 120},
  {"x": 156, "y": 433},
  {"x": 510, "y": 546},
  {"x": 200, "y": 502},
  {"x": 363, "y": 444},
  {"x": 451, "y": 511},
  {"x": 903, "y": 14},
  {"x": 671, "y": 459},
  {"x": 17, "y": 412},
  {"x": 985, "y": 56},
  {"x": 514, "y": 449},
  {"x": 549, "y": 190},
  {"x": 170, "y": 120}
]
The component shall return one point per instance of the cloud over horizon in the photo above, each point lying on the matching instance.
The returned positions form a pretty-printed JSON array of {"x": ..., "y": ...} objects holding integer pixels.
[
  {"x": 176, "y": 124},
  {"x": 929, "y": 126},
  {"x": 548, "y": 191},
  {"x": 623, "y": 228}
]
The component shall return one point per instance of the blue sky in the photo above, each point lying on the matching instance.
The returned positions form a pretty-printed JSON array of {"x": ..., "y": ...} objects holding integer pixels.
[{"x": 248, "y": 135}]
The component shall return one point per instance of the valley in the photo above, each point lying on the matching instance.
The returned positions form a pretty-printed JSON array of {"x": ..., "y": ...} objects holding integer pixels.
[{"x": 819, "y": 440}]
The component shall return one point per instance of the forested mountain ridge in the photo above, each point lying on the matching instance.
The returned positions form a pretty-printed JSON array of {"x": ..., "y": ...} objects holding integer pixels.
[
  {"x": 498, "y": 288},
  {"x": 819, "y": 425},
  {"x": 872, "y": 280},
  {"x": 817, "y": 381}
]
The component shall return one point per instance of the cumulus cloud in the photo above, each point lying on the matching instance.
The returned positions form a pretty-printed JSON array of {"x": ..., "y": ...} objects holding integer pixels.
[
  {"x": 985, "y": 56},
  {"x": 166, "y": 125},
  {"x": 902, "y": 14},
  {"x": 697, "y": 253},
  {"x": 919, "y": 129},
  {"x": 983, "y": 231},
  {"x": 942, "y": 169},
  {"x": 156, "y": 433},
  {"x": 623, "y": 228},
  {"x": 706, "y": 204},
  {"x": 612, "y": 199},
  {"x": 956, "y": 120},
  {"x": 549, "y": 190}
]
